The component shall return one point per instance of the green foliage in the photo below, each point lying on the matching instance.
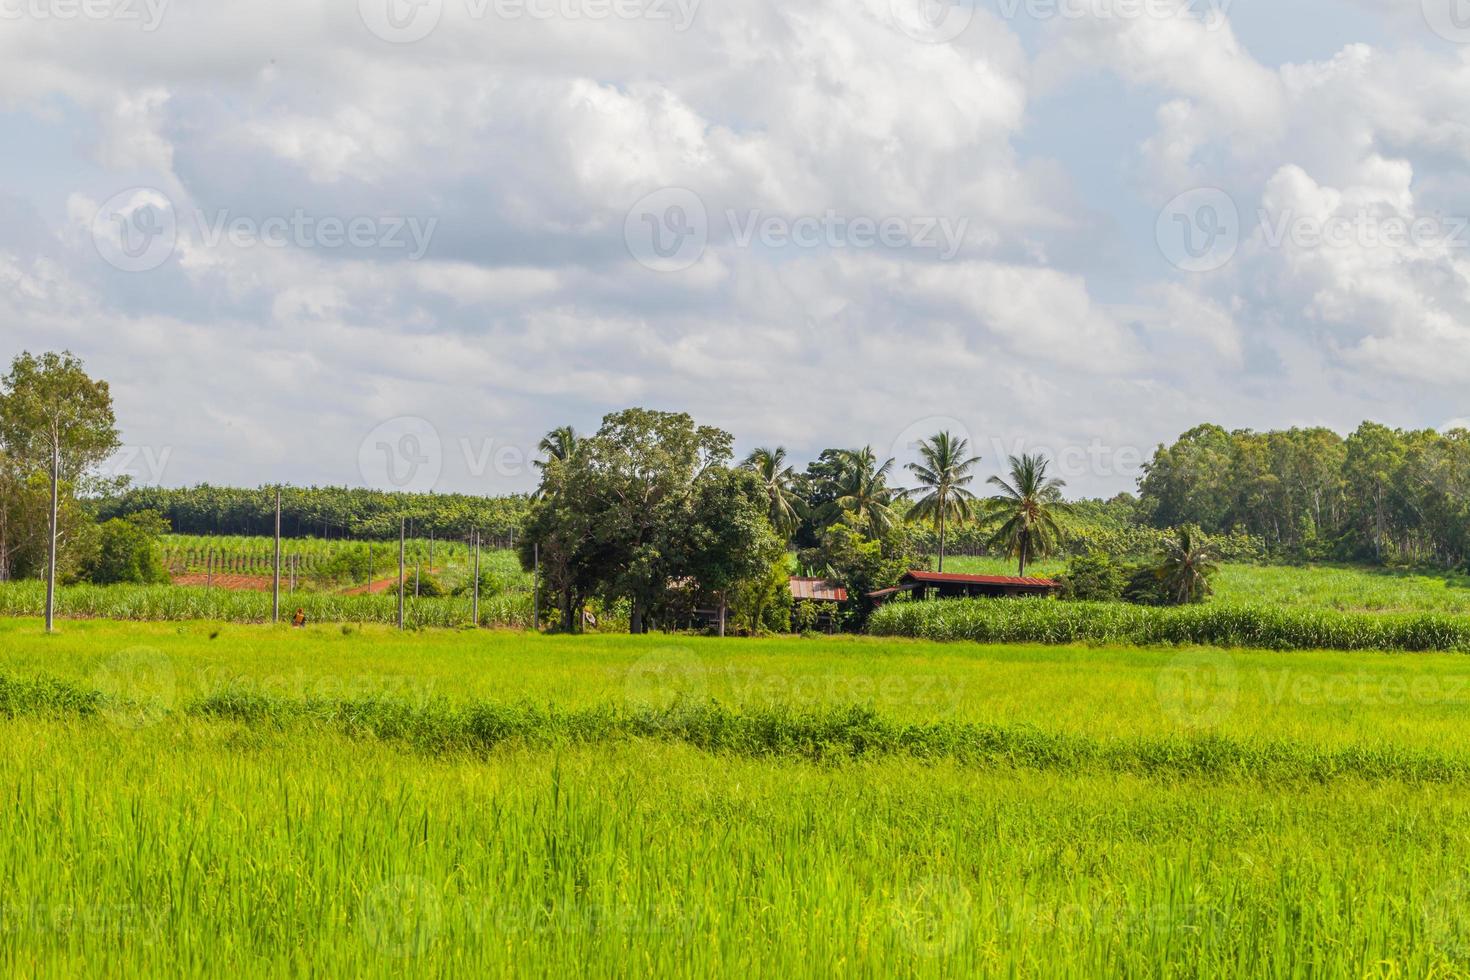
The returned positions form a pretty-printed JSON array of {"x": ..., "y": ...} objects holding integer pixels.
[
  {"x": 172, "y": 603},
  {"x": 647, "y": 510},
  {"x": 54, "y": 419},
  {"x": 323, "y": 512},
  {"x": 1186, "y": 566},
  {"x": 1093, "y": 578},
  {"x": 850, "y": 558},
  {"x": 1381, "y": 494},
  {"x": 128, "y": 551},
  {"x": 425, "y": 585},
  {"x": 1027, "y": 512},
  {"x": 1214, "y": 624},
  {"x": 944, "y": 475}
]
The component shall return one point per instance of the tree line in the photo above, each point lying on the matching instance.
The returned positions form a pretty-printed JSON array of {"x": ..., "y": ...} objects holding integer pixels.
[
  {"x": 320, "y": 512},
  {"x": 1380, "y": 494}
]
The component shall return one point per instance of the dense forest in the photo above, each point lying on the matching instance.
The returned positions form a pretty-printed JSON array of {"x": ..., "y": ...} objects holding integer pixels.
[{"x": 1381, "y": 495}]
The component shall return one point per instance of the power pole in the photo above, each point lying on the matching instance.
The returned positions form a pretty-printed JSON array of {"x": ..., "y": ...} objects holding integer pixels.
[
  {"x": 475, "y": 604},
  {"x": 276, "y": 578},
  {"x": 209, "y": 571},
  {"x": 51, "y": 553},
  {"x": 402, "y": 531},
  {"x": 536, "y": 586}
]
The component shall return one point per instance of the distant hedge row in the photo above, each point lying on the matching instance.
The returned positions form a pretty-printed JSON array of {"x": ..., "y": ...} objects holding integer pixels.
[{"x": 1223, "y": 625}]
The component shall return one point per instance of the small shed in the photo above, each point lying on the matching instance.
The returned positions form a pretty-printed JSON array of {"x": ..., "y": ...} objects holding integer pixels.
[
  {"x": 938, "y": 585},
  {"x": 818, "y": 590}
]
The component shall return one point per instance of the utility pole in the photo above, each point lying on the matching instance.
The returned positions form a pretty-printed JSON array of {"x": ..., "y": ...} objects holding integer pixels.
[
  {"x": 475, "y": 604},
  {"x": 51, "y": 554},
  {"x": 431, "y": 549},
  {"x": 209, "y": 571},
  {"x": 402, "y": 530},
  {"x": 536, "y": 586},
  {"x": 276, "y": 565}
]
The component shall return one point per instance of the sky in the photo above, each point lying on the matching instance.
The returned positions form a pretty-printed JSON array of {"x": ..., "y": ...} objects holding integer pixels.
[{"x": 391, "y": 243}]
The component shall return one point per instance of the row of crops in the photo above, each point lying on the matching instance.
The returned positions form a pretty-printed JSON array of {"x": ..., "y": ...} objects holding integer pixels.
[
  {"x": 1260, "y": 626},
  {"x": 331, "y": 564},
  {"x": 182, "y": 603}
]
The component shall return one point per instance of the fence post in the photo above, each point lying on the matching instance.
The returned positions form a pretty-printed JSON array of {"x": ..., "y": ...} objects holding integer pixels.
[
  {"x": 535, "y": 586},
  {"x": 402, "y": 531}
]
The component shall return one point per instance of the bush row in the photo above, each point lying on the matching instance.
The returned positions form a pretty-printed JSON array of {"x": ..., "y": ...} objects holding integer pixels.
[{"x": 1213, "y": 624}]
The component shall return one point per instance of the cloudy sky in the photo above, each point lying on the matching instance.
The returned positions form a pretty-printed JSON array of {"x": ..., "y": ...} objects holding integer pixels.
[{"x": 391, "y": 242}]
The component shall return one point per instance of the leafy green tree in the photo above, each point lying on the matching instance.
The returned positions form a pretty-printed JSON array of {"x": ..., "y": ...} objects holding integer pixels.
[
  {"x": 1190, "y": 481},
  {"x": 57, "y": 420},
  {"x": 1188, "y": 563},
  {"x": 1028, "y": 511},
  {"x": 623, "y": 503},
  {"x": 730, "y": 541},
  {"x": 1375, "y": 456},
  {"x": 128, "y": 551},
  {"x": 943, "y": 494},
  {"x": 783, "y": 506}
]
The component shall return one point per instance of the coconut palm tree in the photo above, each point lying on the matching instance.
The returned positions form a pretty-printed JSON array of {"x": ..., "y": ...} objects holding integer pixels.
[
  {"x": 1188, "y": 563},
  {"x": 559, "y": 445},
  {"x": 944, "y": 477},
  {"x": 863, "y": 492},
  {"x": 784, "y": 504},
  {"x": 1028, "y": 510}
]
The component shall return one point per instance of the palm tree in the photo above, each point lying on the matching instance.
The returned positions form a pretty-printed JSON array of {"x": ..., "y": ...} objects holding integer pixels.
[
  {"x": 944, "y": 478},
  {"x": 559, "y": 445},
  {"x": 1029, "y": 509},
  {"x": 1188, "y": 563},
  {"x": 778, "y": 478},
  {"x": 863, "y": 492}
]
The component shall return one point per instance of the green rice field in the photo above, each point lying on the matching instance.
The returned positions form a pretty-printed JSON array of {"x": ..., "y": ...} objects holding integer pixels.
[{"x": 207, "y": 799}]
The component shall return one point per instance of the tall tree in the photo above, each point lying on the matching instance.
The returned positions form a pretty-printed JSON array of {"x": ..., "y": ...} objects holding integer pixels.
[
  {"x": 633, "y": 483},
  {"x": 864, "y": 498},
  {"x": 558, "y": 445},
  {"x": 1028, "y": 510},
  {"x": 783, "y": 507},
  {"x": 944, "y": 477},
  {"x": 55, "y": 419}
]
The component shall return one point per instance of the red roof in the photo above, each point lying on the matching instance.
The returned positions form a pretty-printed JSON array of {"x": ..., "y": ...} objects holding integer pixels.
[
  {"x": 817, "y": 588},
  {"x": 937, "y": 578}
]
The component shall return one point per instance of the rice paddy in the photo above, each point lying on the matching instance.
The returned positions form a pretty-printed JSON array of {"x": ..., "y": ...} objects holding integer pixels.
[{"x": 206, "y": 798}]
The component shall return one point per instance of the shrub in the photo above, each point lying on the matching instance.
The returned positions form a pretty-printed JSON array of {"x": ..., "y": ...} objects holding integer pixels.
[
  {"x": 1093, "y": 578},
  {"x": 128, "y": 551},
  {"x": 1223, "y": 625}
]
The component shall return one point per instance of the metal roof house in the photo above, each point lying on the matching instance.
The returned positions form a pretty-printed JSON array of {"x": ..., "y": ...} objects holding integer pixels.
[
  {"x": 816, "y": 590},
  {"x": 937, "y": 585}
]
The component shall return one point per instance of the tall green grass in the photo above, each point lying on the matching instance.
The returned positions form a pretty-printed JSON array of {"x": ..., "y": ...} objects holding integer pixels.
[
  {"x": 177, "y": 802},
  {"x": 176, "y": 603},
  {"x": 202, "y": 850},
  {"x": 1256, "y": 627}
]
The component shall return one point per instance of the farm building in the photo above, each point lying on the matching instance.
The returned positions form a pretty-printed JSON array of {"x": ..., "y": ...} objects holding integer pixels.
[
  {"x": 818, "y": 590},
  {"x": 938, "y": 585}
]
